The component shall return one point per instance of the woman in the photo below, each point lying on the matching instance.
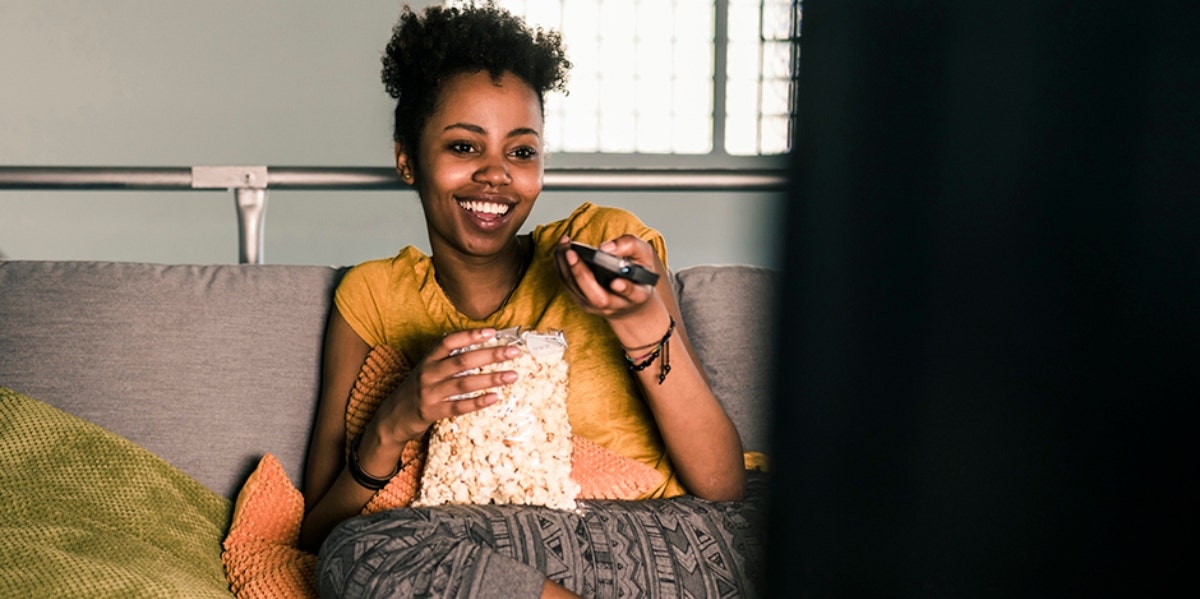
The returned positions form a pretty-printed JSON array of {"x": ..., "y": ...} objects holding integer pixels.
[{"x": 469, "y": 85}]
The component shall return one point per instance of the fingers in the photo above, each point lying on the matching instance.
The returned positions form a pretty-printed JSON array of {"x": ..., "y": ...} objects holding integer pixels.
[
  {"x": 620, "y": 295},
  {"x": 458, "y": 407},
  {"x": 450, "y": 377},
  {"x": 458, "y": 341},
  {"x": 450, "y": 357},
  {"x": 567, "y": 260},
  {"x": 637, "y": 250},
  {"x": 579, "y": 279},
  {"x": 632, "y": 248},
  {"x": 464, "y": 386}
]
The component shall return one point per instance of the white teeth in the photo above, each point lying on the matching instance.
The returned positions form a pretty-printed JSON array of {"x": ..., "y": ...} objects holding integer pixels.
[{"x": 486, "y": 207}]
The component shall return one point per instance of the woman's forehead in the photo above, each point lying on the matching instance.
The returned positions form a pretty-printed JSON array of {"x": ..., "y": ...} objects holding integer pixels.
[{"x": 479, "y": 95}]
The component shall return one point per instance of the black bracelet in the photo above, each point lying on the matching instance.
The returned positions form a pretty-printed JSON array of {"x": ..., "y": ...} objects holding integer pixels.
[
  {"x": 663, "y": 348},
  {"x": 361, "y": 477}
]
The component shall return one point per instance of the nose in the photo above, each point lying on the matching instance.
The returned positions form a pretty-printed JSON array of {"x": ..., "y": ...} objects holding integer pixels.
[{"x": 493, "y": 170}]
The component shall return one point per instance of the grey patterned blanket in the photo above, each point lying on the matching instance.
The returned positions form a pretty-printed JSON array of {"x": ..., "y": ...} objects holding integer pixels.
[{"x": 680, "y": 547}]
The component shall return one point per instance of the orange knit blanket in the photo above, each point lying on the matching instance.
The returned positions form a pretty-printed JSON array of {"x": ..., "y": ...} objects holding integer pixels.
[{"x": 262, "y": 557}]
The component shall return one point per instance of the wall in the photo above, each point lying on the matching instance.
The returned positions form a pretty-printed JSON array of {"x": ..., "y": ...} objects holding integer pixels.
[{"x": 267, "y": 82}]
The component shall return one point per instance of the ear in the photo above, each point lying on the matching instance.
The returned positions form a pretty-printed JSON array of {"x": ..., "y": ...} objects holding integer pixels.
[{"x": 404, "y": 164}]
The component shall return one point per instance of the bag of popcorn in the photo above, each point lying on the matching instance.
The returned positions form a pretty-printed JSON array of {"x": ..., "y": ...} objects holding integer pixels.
[{"x": 515, "y": 451}]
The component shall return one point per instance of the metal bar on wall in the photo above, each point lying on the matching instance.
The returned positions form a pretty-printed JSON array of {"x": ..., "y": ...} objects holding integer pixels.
[
  {"x": 250, "y": 184},
  {"x": 380, "y": 178}
]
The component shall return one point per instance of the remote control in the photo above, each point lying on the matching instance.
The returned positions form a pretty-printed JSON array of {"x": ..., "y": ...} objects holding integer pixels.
[{"x": 607, "y": 267}]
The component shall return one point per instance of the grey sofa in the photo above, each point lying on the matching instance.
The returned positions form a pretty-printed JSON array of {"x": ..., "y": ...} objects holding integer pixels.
[{"x": 210, "y": 367}]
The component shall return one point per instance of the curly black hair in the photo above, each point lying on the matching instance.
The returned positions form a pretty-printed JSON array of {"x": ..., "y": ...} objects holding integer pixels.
[{"x": 427, "y": 49}]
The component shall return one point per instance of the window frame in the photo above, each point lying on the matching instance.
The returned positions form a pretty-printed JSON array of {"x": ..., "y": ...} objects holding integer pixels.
[{"x": 718, "y": 156}]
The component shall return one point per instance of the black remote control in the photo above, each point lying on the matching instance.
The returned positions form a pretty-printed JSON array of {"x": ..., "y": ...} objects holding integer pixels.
[{"x": 607, "y": 267}]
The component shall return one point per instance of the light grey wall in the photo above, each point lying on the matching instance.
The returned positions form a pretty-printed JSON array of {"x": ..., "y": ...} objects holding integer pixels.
[{"x": 259, "y": 82}]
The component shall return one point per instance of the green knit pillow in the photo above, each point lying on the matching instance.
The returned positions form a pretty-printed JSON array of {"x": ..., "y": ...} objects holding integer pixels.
[{"x": 87, "y": 513}]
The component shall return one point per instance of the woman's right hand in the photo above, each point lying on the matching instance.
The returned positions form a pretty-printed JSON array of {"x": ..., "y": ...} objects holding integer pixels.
[
  {"x": 331, "y": 492},
  {"x": 425, "y": 395}
]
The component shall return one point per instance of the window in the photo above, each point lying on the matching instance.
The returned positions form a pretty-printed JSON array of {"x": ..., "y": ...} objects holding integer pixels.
[
  {"x": 673, "y": 77},
  {"x": 762, "y": 65}
]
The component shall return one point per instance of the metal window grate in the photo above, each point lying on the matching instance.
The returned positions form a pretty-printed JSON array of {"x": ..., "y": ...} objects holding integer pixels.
[
  {"x": 763, "y": 56},
  {"x": 644, "y": 73}
]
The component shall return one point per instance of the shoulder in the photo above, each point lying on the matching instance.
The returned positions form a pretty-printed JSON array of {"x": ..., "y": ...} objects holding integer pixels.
[
  {"x": 371, "y": 293},
  {"x": 383, "y": 271},
  {"x": 384, "y": 268},
  {"x": 594, "y": 224}
]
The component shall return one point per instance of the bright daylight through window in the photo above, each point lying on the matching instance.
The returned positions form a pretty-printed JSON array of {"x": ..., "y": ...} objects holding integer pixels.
[{"x": 673, "y": 76}]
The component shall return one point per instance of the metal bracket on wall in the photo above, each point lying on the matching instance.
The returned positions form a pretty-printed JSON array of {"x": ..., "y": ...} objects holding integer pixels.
[{"x": 249, "y": 185}]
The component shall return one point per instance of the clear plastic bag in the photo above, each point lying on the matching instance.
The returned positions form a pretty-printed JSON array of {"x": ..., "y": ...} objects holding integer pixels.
[{"x": 516, "y": 451}]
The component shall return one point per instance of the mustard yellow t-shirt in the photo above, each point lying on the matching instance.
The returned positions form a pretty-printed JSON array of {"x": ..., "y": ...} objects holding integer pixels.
[{"x": 397, "y": 302}]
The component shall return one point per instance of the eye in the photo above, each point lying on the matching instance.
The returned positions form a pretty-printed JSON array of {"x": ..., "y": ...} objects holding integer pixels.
[
  {"x": 524, "y": 153},
  {"x": 460, "y": 147}
]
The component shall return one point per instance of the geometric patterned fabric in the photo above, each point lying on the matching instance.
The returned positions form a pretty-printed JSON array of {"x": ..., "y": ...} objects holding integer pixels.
[{"x": 678, "y": 547}]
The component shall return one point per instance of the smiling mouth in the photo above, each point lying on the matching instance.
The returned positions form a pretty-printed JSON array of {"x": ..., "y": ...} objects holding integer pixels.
[{"x": 482, "y": 208}]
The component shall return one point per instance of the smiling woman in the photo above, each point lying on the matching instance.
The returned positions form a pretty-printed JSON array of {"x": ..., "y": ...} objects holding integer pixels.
[
  {"x": 478, "y": 170},
  {"x": 470, "y": 87}
]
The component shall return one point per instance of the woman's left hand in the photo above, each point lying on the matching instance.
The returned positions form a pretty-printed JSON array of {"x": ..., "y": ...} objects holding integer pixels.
[{"x": 622, "y": 297}]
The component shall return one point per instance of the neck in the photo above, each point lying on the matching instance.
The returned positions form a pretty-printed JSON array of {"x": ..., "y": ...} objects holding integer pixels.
[{"x": 480, "y": 288}]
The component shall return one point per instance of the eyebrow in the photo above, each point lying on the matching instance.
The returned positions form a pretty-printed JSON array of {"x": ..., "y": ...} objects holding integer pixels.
[{"x": 480, "y": 131}]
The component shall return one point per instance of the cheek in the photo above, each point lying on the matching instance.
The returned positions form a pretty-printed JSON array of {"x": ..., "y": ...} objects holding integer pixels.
[
  {"x": 530, "y": 181},
  {"x": 531, "y": 189},
  {"x": 446, "y": 175}
]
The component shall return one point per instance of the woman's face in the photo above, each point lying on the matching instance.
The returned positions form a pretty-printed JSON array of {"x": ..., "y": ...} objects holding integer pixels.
[{"x": 479, "y": 163}]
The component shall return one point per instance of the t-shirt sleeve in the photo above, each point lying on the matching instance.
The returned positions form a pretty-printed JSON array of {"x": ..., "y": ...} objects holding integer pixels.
[
  {"x": 594, "y": 225},
  {"x": 357, "y": 300}
]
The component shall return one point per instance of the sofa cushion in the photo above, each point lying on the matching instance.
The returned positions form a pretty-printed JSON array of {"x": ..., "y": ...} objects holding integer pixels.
[
  {"x": 730, "y": 316},
  {"x": 87, "y": 513},
  {"x": 208, "y": 367}
]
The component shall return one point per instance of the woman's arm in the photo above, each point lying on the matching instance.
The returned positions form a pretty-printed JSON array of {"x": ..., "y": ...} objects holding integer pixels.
[
  {"x": 331, "y": 494},
  {"x": 700, "y": 439},
  {"x": 342, "y": 356}
]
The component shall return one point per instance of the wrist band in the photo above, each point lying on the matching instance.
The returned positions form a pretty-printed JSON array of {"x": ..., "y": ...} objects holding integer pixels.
[
  {"x": 641, "y": 347},
  {"x": 653, "y": 344},
  {"x": 362, "y": 478},
  {"x": 663, "y": 348}
]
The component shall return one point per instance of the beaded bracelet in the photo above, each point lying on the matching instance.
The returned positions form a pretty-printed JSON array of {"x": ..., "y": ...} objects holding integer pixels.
[
  {"x": 361, "y": 477},
  {"x": 663, "y": 348}
]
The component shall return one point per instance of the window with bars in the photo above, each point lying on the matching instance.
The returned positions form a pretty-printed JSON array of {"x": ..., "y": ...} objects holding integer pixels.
[{"x": 684, "y": 77}]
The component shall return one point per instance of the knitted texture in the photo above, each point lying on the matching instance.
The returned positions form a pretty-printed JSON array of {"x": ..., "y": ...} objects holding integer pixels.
[
  {"x": 87, "y": 513},
  {"x": 602, "y": 474},
  {"x": 262, "y": 558},
  {"x": 381, "y": 373}
]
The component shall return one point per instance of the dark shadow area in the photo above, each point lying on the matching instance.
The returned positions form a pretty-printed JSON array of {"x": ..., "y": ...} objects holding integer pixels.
[{"x": 991, "y": 302}]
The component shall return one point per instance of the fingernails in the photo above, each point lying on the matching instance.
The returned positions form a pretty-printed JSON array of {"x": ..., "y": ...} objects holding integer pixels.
[
  {"x": 509, "y": 377},
  {"x": 512, "y": 352},
  {"x": 608, "y": 246},
  {"x": 487, "y": 333}
]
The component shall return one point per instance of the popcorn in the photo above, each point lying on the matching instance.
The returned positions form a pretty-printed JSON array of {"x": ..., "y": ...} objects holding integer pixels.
[{"x": 517, "y": 450}]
